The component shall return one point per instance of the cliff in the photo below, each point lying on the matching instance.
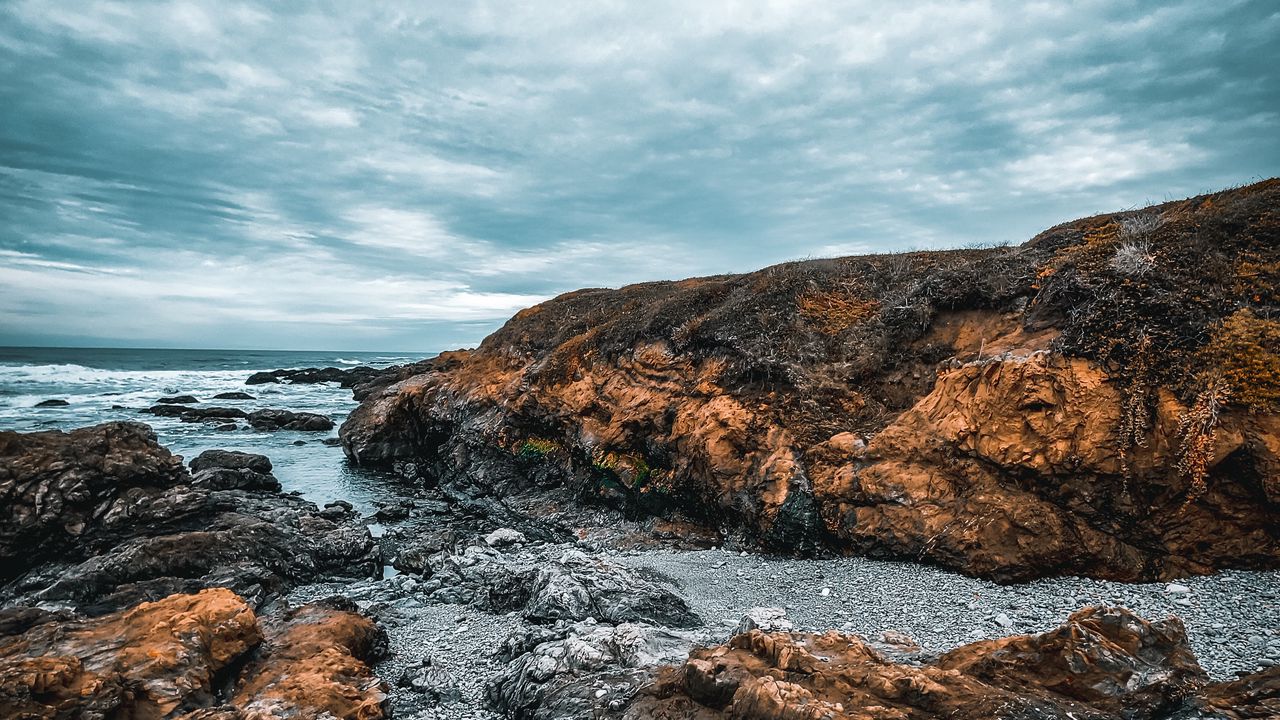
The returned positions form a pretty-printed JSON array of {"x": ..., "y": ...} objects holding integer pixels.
[{"x": 1101, "y": 400}]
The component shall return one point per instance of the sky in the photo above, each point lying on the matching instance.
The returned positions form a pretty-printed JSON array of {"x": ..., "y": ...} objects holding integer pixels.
[{"x": 405, "y": 176}]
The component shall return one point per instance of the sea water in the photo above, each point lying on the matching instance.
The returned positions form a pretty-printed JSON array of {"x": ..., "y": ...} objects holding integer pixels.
[{"x": 103, "y": 385}]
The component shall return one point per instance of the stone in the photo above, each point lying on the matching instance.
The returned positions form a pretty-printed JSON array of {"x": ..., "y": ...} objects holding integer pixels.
[
  {"x": 178, "y": 400},
  {"x": 53, "y": 402}
]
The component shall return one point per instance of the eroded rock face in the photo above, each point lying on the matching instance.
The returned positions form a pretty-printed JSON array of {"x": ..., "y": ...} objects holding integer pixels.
[
  {"x": 1102, "y": 663},
  {"x": 102, "y": 518},
  {"x": 171, "y": 657},
  {"x": 951, "y": 408}
]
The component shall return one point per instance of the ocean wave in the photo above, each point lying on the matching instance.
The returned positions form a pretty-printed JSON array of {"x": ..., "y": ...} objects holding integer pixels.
[
  {"x": 345, "y": 361},
  {"x": 70, "y": 374}
]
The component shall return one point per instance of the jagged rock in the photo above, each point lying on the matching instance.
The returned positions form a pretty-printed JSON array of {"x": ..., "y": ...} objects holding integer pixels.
[
  {"x": 1104, "y": 662},
  {"x": 316, "y": 663},
  {"x": 1253, "y": 696},
  {"x": 102, "y": 518},
  {"x": 344, "y": 376},
  {"x": 163, "y": 658},
  {"x": 178, "y": 400},
  {"x": 577, "y": 670},
  {"x": 548, "y": 587},
  {"x": 288, "y": 420},
  {"x": 53, "y": 402},
  {"x": 977, "y": 410}
]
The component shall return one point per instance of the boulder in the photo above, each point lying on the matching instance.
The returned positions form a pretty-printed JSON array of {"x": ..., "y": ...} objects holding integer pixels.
[
  {"x": 271, "y": 420},
  {"x": 178, "y": 400},
  {"x": 53, "y": 402},
  {"x": 234, "y": 396}
]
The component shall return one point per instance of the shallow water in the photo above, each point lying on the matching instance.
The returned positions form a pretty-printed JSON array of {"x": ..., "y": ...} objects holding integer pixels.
[{"x": 113, "y": 384}]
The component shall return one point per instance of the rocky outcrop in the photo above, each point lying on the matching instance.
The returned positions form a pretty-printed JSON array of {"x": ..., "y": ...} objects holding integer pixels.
[
  {"x": 363, "y": 380},
  {"x": 1013, "y": 412},
  {"x": 187, "y": 413},
  {"x": 1102, "y": 663},
  {"x": 102, "y": 518},
  {"x": 272, "y": 420},
  {"x": 546, "y": 585},
  {"x": 196, "y": 656}
]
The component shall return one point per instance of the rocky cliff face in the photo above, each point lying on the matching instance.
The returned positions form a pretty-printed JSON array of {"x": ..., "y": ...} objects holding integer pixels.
[{"x": 1100, "y": 400}]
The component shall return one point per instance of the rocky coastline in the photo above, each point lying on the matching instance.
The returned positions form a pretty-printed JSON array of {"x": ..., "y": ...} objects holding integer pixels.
[{"x": 934, "y": 485}]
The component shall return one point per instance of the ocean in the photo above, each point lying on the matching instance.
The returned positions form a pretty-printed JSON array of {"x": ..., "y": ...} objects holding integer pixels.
[{"x": 104, "y": 384}]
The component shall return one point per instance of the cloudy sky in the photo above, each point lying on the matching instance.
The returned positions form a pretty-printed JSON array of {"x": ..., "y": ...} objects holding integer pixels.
[{"x": 209, "y": 173}]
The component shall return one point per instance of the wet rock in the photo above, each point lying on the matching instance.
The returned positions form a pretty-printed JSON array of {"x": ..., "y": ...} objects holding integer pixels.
[
  {"x": 331, "y": 442},
  {"x": 227, "y": 427},
  {"x": 53, "y": 402},
  {"x": 178, "y": 400},
  {"x": 231, "y": 459},
  {"x": 102, "y": 518},
  {"x": 271, "y": 420},
  {"x": 306, "y": 376},
  {"x": 393, "y": 511},
  {"x": 234, "y": 396},
  {"x": 196, "y": 414},
  {"x": 1104, "y": 662}
]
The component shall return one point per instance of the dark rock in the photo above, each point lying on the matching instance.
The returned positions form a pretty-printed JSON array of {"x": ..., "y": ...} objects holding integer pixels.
[
  {"x": 103, "y": 517},
  {"x": 231, "y": 459},
  {"x": 271, "y": 420},
  {"x": 227, "y": 427},
  {"x": 392, "y": 512},
  {"x": 311, "y": 375},
  {"x": 178, "y": 400},
  {"x": 195, "y": 414},
  {"x": 234, "y": 396},
  {"x": 299, "y": 442},
  {"x": 52, "y": 403},
  {"x": 331, "y": 442}
]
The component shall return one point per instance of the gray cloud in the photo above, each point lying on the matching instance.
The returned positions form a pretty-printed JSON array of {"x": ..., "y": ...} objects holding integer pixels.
[{"x": 206, "y": 173}]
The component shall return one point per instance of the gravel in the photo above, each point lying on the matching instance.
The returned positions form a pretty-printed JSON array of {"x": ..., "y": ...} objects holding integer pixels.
[{"x": 1232, "y": 618}]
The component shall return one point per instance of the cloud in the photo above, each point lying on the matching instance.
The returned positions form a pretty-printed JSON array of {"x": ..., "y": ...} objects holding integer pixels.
[{"x": 409, "y": 174}]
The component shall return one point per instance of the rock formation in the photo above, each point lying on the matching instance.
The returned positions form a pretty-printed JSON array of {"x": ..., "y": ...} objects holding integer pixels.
[
  {"x": 103, "y": 517},
  {"x": 196, "y": 656},
  {"x": 1102, "y": 663},
  {"x": 1100, "y": 400}
]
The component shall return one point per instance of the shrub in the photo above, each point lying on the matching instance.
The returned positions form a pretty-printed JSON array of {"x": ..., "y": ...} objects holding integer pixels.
[
  {"x": 833, "y": 312},
  {"x": 1199, "y": 428},
  {"x": 537, "y": 448},
  {"x": 1133, "y": 258},
  {"x": 1244, "y": 349}
]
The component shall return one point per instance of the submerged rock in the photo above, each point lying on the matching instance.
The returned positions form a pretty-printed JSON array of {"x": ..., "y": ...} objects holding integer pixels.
[
  {"x": 271, "y": 420},
  {"x": 178, "y": 400},
  {"x": 234, "y": 396},
  {"x": 53, "y": 402}
]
